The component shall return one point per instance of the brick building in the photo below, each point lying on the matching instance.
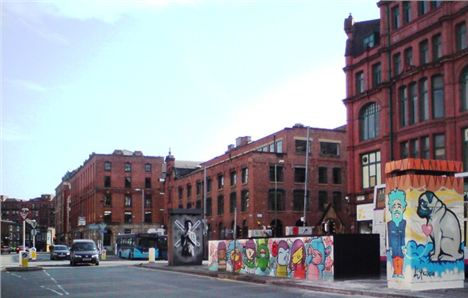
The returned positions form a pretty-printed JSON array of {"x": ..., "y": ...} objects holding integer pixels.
[
  {"x": 41, "y": 209},
  {"x": 264, "y": 181},
  {"x": 121, "y": 191},
  {"x": 406, "y": 75}
]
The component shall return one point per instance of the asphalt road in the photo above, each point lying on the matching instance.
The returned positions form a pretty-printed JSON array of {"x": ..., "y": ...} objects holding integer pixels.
[{"x": 131, "y": 281}]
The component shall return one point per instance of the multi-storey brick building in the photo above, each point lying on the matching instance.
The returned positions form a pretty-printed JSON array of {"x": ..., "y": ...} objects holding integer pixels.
[
  {"x": 263, "y": 182},
  {"x": 407, "y": 95},
  {"x": 41, "y": 210},
  {"x": 121, "y": 190}
]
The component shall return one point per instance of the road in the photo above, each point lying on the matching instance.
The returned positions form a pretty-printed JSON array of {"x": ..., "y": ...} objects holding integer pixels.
[{"x": 117, "y": 279}]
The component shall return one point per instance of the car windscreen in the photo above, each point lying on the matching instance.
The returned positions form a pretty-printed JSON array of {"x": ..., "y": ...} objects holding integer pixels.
[
  {"x": 84, "y": 246},
  {"x": 60, "y": 247}
]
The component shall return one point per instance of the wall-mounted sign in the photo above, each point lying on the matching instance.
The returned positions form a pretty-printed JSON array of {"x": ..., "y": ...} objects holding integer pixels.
[
  {"x": 81, "y": 221},
  {"x": 364, "y": 212}
]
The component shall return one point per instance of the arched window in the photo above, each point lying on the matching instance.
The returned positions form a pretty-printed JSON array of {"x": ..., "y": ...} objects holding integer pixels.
[
  {"x": 464, "y": 89},
  {"x": 369, "y": 119}
]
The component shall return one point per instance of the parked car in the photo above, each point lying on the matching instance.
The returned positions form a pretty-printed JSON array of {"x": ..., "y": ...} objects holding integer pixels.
[
  {"x": 6, "y": 249},
  {"x": 58, "y": 252},
  {"x": 84, "y": 251}
]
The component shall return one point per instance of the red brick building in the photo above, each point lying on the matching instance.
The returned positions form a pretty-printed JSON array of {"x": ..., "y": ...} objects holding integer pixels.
[
  {"x": 121, "y": 190},
  {"x": 264, "y": 181},
  {"x": 406, "y": 75}
]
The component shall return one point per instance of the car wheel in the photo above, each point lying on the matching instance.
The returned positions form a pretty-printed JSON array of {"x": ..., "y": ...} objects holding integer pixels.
[
  {"x": 72, "y": 263},
  {"x": 97, "y": 263}
]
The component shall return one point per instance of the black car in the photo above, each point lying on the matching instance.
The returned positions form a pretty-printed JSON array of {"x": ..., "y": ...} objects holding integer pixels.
[
  {"x": 84, "y": 251},
  {"x": 59, "y": 252}
]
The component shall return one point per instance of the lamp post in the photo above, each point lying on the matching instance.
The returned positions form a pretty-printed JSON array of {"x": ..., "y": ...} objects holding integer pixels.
[
  {"x": 67, "y": 205},
  {"x": 276, "y": 195},
  {"x": 142, "y": 206},
  {"x": 306, "y": 176}
]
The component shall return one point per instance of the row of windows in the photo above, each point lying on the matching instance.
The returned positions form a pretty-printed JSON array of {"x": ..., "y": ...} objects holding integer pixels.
[
  {"x": 127, "y": 182},
  {"x": 420, "y": 147},
  {"x": 416, "y": 105},
  {"x": 107, "y": 201},
  {"x": 404, "y": 14},
  {"x": 277, "y": 174},
  {"x": 128, "y": 217},
  {"x": 127, "y": 167}
]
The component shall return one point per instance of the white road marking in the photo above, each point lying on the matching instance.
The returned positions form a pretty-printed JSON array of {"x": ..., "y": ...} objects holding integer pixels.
[
  {"x": 56, "y": 283},
  {"x": 57, "y": 292}
]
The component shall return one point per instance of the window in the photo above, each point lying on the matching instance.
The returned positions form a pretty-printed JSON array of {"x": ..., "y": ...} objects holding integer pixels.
[
  {"x": 128, "y": 217},
  {"x": 425, "y": 151},
  {"x": 406, "y": 12},
  {"x": 301, "y": 146},
  {"x": 404, "y": 150},
  {"x": 414, "y": 148},
  {"x": 198, "y": 204},
  {"x": 198, "y": 187},
  {"x": 107, "y": 218},
  {"x": 244, "y": 200},
  {"x": 298, "y": 200},
  {"x": 148, "y": 201},
  {"x": 107, "y": 200},
  {"x": 220, "y": 205},
  {"x": 323, "y": 200},
  {"x": 128, "y": 182},
  {"x": 128, "y": 167},
  {"x": 436, "y": 47},
  {"x": 245, "y": 175},
  {"x": 279, "y": 146},
  {"x": 232, "y": 202},
  {"x": 299, "y": 175},
  {"x": 369, "y": 41},
  {"x": 147, "y": 182},
  {"x": 413, "y": 104},
  {"x": 439, "y": 146},
  {"x": 208, "y": 184},
  {"x": 233, "y": 178},
  {"x": 180, "y": 192},
  {"x": 220, "y": 181},
  {"x": 369, "y": 119},
  {"x": 322, "y": 175},
  {"x": 465, "y": 148},
  {"x": 423, "y": 52},
  {"x": 424, "y": 100},
  {"x": 107, "y": 181},
  {"x": 460, "y": 36},
  {"x": 337, "y": 176},
  {"x": 278, "y": 198},
  {"x": 395, "y": 17},
  {"x": 464, "y": 90},
  {"x": 360, "y": 82},
  {"x": 337, "y": 199},
  {"x": 423, "y": 7},
  {"x": 148, "y": 217},
  {"x": 403, "y": 106},
  {"x": 329, "y": 149},
  {"x": 189, "y": 191},
  {"x": 438, "y": 97},
  {"x": 189, "y": 205},
  {"x": 209, "y": 206},
  {"x": 376, "y": 75},
  {"x": 127, "y": 201},
  {"x": 396, "y": 64},
  {"x": 107, "y": 166},
  {"x": 147, "y": 167},
  {"x": 408, "y": 57},
  {"x": 370, "y": 165},
  {"x": 436, "y": 4},
  {"x": 276, "y": 173}
]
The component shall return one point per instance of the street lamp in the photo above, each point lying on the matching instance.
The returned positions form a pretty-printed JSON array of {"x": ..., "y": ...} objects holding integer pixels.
[
  {"x": 142, "y": 207},
  {"x": 67, "y": 205},
  {"x": 276, "y": 195}
]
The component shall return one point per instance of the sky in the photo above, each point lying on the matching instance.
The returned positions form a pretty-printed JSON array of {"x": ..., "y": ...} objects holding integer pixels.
[{"x": 191, "y": 76}]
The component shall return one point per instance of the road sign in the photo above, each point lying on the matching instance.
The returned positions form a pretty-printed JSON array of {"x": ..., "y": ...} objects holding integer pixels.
[
  {"x": 24, "y": 213},
  {"x": 33, "y": 232},
  {"x": 32, "y": 222}
]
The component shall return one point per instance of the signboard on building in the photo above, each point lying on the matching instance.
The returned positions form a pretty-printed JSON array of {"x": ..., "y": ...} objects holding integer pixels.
[
  {"x": 365, "y": 212},
  {"x": 81, "y": 221}
]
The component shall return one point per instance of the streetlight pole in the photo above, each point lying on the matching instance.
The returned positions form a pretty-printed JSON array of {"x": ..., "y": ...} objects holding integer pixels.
[
  {"x": 276, "y": 196},
  {"x": 306, "y": 178},
  {"x": 142, "y": 207},
  {"x": 67, "y": 205}
]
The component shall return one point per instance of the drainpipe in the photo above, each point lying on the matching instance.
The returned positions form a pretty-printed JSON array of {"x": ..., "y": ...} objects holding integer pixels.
[{"x": 390, "y": 87}]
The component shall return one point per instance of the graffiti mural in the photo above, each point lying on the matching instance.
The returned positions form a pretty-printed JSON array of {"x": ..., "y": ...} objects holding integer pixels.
[
  {"x": 424, "y": 235},
  {"x": 187, "y": 238},
  {"x": 308, "y": 258}
]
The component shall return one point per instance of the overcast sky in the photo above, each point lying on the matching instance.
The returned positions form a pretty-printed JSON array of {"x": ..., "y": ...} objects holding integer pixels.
[{"x": 191, "y": 75}]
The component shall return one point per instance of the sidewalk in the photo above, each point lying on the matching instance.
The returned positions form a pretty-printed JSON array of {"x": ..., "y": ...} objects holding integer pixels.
[{"x": 366, "y": 287}]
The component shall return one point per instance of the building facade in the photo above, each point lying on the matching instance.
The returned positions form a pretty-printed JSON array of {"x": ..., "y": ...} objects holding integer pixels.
[
  {"x": 261, "y": 184},
  {"x": 406, "y": 91},
  {"x": 111, "y": 194}
]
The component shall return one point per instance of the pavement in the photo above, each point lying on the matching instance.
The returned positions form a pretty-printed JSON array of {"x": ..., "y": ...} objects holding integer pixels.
[{"x": 371, "y": 287}]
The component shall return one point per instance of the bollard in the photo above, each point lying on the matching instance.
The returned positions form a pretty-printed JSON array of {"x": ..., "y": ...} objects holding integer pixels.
[
  {"x": 151, "y": 255},
  {"x": 103, "y": 254},
  {"x": 24, "y": 258},
  {"x": 33, "y": 253}
]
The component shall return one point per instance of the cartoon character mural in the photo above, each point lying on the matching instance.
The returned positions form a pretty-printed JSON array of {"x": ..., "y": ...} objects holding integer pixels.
[
  {"x": 297, "y": 263},
  {"x": 222, "y": 256},
  {"x": 234, "y": 253},
  {"x": 249, "y": 256},
  {"x": 315, "y": 259},
  {"x": 396, "y": 231},
  {"x": 282, "y": 259},
  {"x": 263, "y": 258}
]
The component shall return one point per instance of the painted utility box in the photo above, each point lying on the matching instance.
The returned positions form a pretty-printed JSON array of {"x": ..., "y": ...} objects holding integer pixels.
[
  {"x": 185, "y": 237},
  {"x": 424, "y": 221}
]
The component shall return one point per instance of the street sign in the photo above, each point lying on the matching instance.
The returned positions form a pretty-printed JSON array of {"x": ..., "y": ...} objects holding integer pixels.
[
  {"x": 33, "y": 232},
  {"x": 32, "y": 222},
  {"x": 24, "y": 213}
]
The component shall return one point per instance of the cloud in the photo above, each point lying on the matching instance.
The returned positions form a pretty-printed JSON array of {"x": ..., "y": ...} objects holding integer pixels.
[{"x": 29, "y": 85}]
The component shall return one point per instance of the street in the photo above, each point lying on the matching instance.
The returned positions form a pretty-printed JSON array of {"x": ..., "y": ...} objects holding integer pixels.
[{"x": 116, "y": 278}]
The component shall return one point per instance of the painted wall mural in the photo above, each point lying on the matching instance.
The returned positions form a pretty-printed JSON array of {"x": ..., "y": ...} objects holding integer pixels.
[
  {"x": 424, "y": 232},
  {"x": 187, "y": 238},
  {"x": 308, "y": 258}
]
